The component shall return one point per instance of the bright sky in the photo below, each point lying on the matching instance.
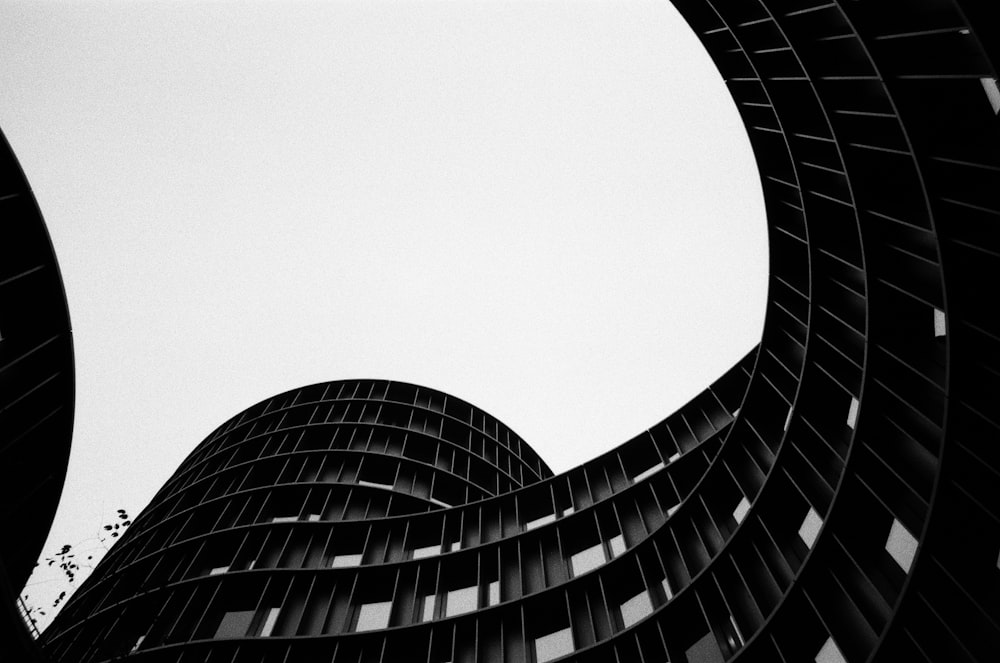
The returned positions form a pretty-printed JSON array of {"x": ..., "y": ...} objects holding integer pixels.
[{"x": 549, "y": 209}]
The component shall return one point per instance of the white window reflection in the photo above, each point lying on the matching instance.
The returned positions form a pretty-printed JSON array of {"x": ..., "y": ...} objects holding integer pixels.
[
  {"x": 373, "y": 616},
  {"x": 636, "y": 608},
  {"x": 587, "y": 560},
  {"x": 554, "y": 645}
]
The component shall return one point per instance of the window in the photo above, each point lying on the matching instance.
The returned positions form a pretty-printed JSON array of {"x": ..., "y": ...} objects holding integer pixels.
[
  {"x": 788, "y": 420},
  {"x": 829, "y": 653},
  {"x": 426, "y": 551},
  {"x": 219, "y": 570},
  {"x": 741, "y": 510},
  {"x": 463, "y": 600},
  {"x": 234, "y": 624},
  {"x": 617, "y": 544},
  {"x": 553, "y": 645},
  {"x": 705, "y": 650},
  {"x": 675, "y": 457},
  {"x": 137, "y": 644},
  {"x": 852, "y": 413},
  {"x": 636, "y": 608},
  {"x": 340, "y": 561},
  {"x": 992, "y": 93},
  {"x": 270, "y": 618},
  {"x": 810, "y": 527},
  {"x": 538, "y": 522},
  {"x": 901, "y": 545},
  {"x": 648, "y": 473},
  {"x": 284, "y": 519},
  {"x": 586, "y": 560},
  {"x": 313, "y": 517},
  {"x": 493, "y": 593},
  {"x": 427, "y": 613},
  {"x": 374, "y": 484},
  {"x": 667, "y": 590},
  {"x": 940, "y": 327},
  {"x": 373, "y": 616}
]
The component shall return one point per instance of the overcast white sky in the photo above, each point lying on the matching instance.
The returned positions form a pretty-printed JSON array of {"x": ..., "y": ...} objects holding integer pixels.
[{"x": 549, "y": 209}]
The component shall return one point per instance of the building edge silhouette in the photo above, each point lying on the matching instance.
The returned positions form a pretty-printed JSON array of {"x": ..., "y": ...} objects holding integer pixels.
[
  {"x": 832, "y": 498},
  {"x": 36, "y": 397}
]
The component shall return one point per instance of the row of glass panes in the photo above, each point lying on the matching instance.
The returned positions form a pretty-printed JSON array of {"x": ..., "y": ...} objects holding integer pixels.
[
  {"x": 637, "y": 478},
  {"x": 506, "y": 462},
  {"x": 317, "y": 474},
  {"x": 507, "y": 439},
  {"x": 426, "y": 550}
]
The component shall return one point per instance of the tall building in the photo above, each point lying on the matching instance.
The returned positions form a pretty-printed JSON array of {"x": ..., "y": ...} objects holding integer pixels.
[
  {"x": 36, "y": 397},
  {"x": 832, "y": 498}
]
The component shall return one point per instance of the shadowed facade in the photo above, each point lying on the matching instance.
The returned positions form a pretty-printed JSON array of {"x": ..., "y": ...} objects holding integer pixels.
[{"x": 36, "y": 396}]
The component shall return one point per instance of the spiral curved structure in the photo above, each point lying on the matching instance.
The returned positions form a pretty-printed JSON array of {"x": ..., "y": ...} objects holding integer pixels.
[{"x": 833, "y": 497}]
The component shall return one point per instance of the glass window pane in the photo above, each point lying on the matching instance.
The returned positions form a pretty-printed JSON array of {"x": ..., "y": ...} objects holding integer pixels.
[
  {"x": 829, "y": 653},
  {"x": 617, "y": 545},
  {"x": 269, "y": 621},
  {"x": 345, "y": 560},
  {"x": 647, "y": 473},
  {"x": 462, "y": 600},
  {"x": 428, "y": 611},
  {"x": 586, "y": 560},
  {"x": 706, "y": 650},
  {"x": 852, "y": 413},
  {"x": 554, "y": 645},
  {"x": 940, "y": 324},
  {"x": 741, "y": 510},
  {"x": 494, "y": 592},
  {"x": 901, "y": 545},
  {"x": 810, "y": 527},
  {"x": 234, "y": 624},
  {"x": 426, "y": 551},
  {"x": 636, "y": 608},
  {"x": 374, "y": 484},
  {"x": 538, "y": 522},
  {"x": 373, "y": 615}
]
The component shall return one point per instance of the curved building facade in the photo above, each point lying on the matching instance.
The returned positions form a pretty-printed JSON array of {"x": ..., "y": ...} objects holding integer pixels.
[
  {"x": 832, "y": 498},
  {"x": 36, "y": 395},
  {"x": 362, "y": 516}
]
